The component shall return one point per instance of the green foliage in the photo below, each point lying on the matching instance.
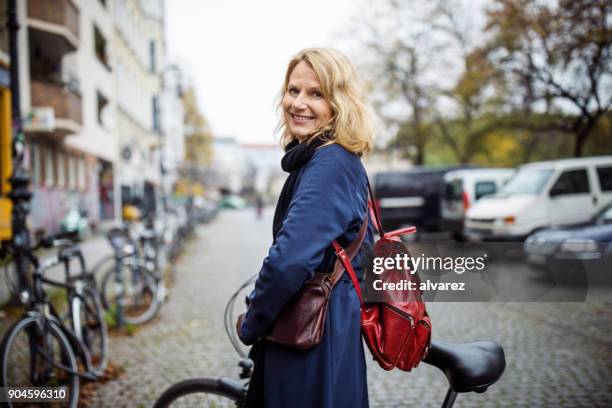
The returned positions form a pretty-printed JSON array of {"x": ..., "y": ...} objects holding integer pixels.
[
  {"x": 111, "y": 321},
  {"x": 502, "y": 143},
  {"x": 198, "y": 141},
  {"x": 111, "y": 317}
]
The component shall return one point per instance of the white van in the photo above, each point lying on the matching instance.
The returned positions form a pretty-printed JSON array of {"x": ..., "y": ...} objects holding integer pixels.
[
  {"x": 462, "y": 188},
  {"x": 541, "y": 195}
]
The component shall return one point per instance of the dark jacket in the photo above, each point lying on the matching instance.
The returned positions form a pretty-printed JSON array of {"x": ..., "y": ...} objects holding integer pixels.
[{"x": 329, "y": 202}]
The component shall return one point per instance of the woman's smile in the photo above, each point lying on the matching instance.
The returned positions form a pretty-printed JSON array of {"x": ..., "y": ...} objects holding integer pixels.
[{"x": 300, "y": 119}]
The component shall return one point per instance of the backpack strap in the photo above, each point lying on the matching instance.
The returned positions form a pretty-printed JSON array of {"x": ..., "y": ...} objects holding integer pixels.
[
  {"x": 349, "y": 252},
  {"x": 345, "y": 256},
  {"x": 346, "y": 263},
  {"x": 374, "y": 210}
]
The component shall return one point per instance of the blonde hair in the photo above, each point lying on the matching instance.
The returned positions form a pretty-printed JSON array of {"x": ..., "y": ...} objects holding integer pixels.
[{"x": 351, "y": 123}]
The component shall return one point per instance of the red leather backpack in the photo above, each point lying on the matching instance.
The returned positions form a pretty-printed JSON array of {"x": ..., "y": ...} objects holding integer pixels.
[{"x": 397, "y": 331}]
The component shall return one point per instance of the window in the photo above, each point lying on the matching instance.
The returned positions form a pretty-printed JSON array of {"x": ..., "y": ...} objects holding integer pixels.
[
  {"x": 82, "y": 174},
  {"x": 4, "y": 35},
  {"x": 152, "y": 56},
  {"x": 101, "y": 102},
  {"x": 453, "y": 190},
  {"x": 61, "y": 169},
  {"x": 36, "y": 164},
  {"x": 571, "y": 182},
  {"x": 72, "y": 172},
  {"x": 155, "y": 110},
  {"x": 100, "y": 47},
  {"x": 527, "y": 181},
  {"x": 49, "y": 166},
  {"x": 484, "y": 188},
  {"x": 605, "y": 178}
]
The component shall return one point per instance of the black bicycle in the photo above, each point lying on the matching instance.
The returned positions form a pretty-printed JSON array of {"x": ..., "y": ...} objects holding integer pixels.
[
  {"x": 47, "y": 348},
  {"x": 469, "y": 367},
  {"x": 132, "y": 282}
]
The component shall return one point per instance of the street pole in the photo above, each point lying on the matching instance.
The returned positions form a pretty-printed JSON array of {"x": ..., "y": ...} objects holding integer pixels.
[{"x": 19, "y": 194}]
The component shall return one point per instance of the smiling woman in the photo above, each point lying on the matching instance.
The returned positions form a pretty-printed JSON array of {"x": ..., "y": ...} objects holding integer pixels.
[{"x": 326, "y": 127}]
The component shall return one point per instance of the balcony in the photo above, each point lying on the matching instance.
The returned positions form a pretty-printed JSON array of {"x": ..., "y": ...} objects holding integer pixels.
[
  {"x": 65, "y": 104},
  {"x": 56, "y": 23}
]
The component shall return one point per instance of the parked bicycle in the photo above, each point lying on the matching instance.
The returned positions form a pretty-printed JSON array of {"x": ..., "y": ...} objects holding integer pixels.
[
  {"x": 132, "y": 281},
  {"x": 469, "y": 367},
  {"x": 46, "y": 348},
  {"x": 181, "y": 222}
]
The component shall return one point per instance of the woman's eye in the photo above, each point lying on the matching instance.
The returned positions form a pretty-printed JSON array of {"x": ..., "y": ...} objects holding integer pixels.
[
  {"x": 317, "y": 94},
  {"x": 293, "y": 91}
]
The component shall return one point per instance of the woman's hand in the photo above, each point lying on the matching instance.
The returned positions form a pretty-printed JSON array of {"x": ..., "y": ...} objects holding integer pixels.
[{"x": 239, "y": 330}]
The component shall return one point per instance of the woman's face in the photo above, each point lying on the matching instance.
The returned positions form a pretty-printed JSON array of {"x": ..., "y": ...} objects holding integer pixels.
[{"x": 304, "y": 107}]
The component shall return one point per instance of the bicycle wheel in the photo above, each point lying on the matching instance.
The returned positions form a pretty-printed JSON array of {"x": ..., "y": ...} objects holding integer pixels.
[
  {"x": 35, "y": 353},
  {"x": 105, "y": 266},
  {"x": 89, "y": 322},
  {"x": 203, "y": 392},
  {"x": 138, "y": 290}
]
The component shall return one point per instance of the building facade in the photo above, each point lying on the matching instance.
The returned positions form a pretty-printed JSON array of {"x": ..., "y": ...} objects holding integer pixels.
[
  {"x": 65, "y": 78},
  {"x": 173, "y": 129},
  {"x": 92, "y": 87},
  {"x": 139, "y": 59}
]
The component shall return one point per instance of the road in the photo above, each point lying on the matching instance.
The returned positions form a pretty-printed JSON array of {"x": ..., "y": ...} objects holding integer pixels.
[{"x": 558, "y": 354}]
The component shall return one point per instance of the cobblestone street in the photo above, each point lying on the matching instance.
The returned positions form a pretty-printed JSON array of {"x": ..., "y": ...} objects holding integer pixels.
[{"x": 558, "y": 354}]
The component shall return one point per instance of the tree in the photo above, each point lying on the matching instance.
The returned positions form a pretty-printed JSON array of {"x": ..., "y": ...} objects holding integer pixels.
[
  {"x": 558, "y": 55},
  {"x": 402, "y": 55},
  {"x": 198, "y": 137},
  {"x": 431, "y": 80},
  {"x": 476, "y": 92}
]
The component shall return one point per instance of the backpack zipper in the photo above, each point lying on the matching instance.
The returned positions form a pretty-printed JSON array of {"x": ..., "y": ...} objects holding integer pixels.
[{"x": 401, "y": 313}]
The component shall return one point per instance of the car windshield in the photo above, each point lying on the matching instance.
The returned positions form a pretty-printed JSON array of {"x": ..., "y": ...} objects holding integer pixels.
[
  {"x": 526, "y": 181},
  {"x": 605, "y": 216},
  {"x": 453, "y": 190}
]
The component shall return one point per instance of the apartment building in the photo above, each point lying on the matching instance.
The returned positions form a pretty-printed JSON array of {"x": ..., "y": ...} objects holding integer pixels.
[
  {"x": 66, "y": 99},
  {"x": 103, "y": 116}
]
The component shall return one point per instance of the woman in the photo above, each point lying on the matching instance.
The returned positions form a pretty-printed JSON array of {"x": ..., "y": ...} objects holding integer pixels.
[{"x": 326, "y": 125}]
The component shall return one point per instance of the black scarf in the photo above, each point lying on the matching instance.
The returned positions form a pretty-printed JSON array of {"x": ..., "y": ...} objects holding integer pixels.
[{"x": 297, "y": 156}]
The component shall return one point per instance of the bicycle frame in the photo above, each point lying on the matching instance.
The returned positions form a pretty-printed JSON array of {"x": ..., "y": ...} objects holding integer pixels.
[
  {"x": 43, "y": 322},
  {"x": 42, "y": 308}
]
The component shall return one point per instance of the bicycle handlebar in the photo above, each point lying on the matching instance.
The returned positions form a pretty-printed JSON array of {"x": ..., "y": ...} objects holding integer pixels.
[
  {"x": 70, "y": 252},
  {"x": 53, "y": 241}
]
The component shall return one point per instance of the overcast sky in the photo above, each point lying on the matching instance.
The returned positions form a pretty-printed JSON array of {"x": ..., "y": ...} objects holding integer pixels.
[{"x": 236, "y": 52}]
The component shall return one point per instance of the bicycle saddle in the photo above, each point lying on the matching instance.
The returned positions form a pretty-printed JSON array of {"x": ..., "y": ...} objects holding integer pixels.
[{"x": 470, "y": 366}]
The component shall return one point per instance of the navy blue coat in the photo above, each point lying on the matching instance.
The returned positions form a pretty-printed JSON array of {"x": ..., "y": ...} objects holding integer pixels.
[{"x": 329, "y": 202}]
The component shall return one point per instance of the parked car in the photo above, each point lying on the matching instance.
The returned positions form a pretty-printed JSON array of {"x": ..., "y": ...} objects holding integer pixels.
[
  {"x": 462, "y": 188},
  {"x": 411, "y": 197},
  {"x": 233, "y": 202},
  {"x": 585, "y": 249},
  {"x": 542, "y": 195}
]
